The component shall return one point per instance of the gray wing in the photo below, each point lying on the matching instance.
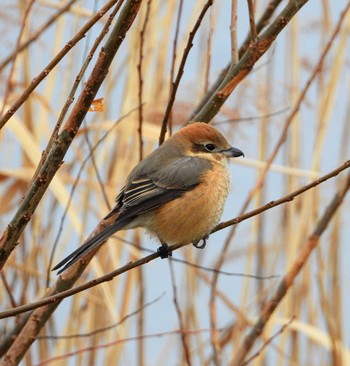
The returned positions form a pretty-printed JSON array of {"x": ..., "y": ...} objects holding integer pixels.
[{"x": 146, "y": 191}]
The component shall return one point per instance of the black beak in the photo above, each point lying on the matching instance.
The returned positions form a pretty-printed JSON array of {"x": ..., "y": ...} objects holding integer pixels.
[{"x": 233, "y": 152}]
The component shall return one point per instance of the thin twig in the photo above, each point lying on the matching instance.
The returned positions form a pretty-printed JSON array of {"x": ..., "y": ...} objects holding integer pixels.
[
  {"x": 139, "y": 71},
  {"x": 104, "y": 329},
  {"x": 184, "y": 339},
  {"x": 181, "y": 70},
  {"x": 15, "y": 54},
  {"x": 173, "y": 62},
  {"x": 251, "y": 118},
  {"x": 208, "y": 53},
  {"x": 224, "y": 273},
  {"x": 234, "y": 44},
  {"x": 282, "y": 329},
  {"x": 39, "y": 32},
  {"x": 38, "y": 79},
  {"x": 8, "y": 289}
]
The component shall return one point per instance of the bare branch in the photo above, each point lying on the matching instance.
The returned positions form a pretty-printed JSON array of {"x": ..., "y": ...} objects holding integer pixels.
[
  {"x": 65, "y": 8},
  {"x": 38, "y": 79},
  {"x": 288, "y": 280},
  {"x": 55, "y": 298},
  {"x": 238, "y": 72},
  {"x": 234, "y": 45},
  {"x": 180, "y": 72}
]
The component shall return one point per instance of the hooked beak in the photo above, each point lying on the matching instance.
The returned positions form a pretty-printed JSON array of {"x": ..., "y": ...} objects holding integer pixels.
[{"x": 233, "y": 152}]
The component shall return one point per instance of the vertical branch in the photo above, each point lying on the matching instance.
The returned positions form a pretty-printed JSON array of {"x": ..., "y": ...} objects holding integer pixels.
[
  {"x": 173, "y": 62},
  {"x": 209, "y": 45},
  {"x": 214, "y": 334},
  {"x": 233, "y": 28},
  {"x": 254, "y": 34},
  {"x": 179, "y": 315},
  {"x": 17, "y": 48},
  {"x": 141, "y": 304},
  {"x": 180, "y": 72},
  {"x": 139, "y": 70}
]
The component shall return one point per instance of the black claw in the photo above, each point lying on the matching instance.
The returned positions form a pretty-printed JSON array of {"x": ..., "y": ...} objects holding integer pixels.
[
  {"x": 202, "y": 246},
  {"x": 164, "y": 252}
]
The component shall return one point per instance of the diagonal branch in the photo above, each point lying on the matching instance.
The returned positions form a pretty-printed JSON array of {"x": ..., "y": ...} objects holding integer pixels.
[
  {"x": 255, "y": 51},
  {"x": 53, "y": 63},
  {"x": 261, "y": 24},
  {"x": 39, "y": 185},
  {"x": 54, "y": 160},
  {"x": 54, "y": 297},
  {"x": 288, "y": 280},
  {"x": 39, "y": 32}
]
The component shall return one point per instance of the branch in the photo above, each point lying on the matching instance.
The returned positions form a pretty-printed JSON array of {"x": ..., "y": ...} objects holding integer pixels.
[
  {"x": 55, "y": 158},
  {"x": 236, "y": 73},
  {"x": 260, "y": 180},
  {"x": 254, "y": 34},
  {"x": 181, "y": 70},
  {"x": 233, "y": 29},
  {"x": 37, "y": 34},
  {"x": 49, "y": 168},
  {"x": 139, "y": 72},
  {"x": 38, "y": 79},
  {"x": 8, "y": 87},
  {"x": 288, "y": 280},
  {"x": 265, "y": 18},
  {"x": 54, "y": 299},
  {"x": 287, "y": 198}
]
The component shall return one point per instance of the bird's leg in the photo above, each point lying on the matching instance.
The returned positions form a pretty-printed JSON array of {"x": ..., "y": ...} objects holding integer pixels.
[
  {"x": 164, "y": 252},
  {"x": 202, "y": 246}
]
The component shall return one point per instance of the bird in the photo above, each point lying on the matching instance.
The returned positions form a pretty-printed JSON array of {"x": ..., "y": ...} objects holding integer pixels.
[{"x": 177, "y": 193}]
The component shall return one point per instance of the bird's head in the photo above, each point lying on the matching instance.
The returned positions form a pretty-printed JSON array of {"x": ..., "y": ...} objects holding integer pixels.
[{"x": 201, "y": 140}]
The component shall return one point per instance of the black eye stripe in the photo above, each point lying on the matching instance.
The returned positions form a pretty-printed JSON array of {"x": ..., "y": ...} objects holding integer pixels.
[{"x": 206, "y": 147}]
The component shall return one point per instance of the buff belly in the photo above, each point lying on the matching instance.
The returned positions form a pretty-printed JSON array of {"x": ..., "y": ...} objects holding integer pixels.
[{"x": 192, "y": 217}]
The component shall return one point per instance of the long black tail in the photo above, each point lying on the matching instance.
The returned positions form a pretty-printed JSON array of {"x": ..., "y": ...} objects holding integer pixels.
[{"x": 92, "y": 243}]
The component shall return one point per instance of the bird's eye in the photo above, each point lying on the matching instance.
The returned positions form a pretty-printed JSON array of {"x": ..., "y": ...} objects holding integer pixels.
[{"x": 210, "y": 147}]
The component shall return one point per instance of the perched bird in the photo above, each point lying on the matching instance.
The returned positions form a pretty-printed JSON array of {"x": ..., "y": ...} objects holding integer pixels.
[{"x": 177, "y": 193}]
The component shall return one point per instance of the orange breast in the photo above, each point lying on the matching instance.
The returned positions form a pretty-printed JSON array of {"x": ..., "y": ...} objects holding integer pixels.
[{"x": 192, "y": 216}]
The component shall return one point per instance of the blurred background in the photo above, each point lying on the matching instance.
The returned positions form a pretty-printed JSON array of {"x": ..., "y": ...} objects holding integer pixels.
[{"x": 174, "y": 312}]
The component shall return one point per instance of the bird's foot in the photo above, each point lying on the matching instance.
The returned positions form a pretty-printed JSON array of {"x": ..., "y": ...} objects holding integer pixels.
[
  {"x": 164, "y": 252},
  {"x": 201, "y": 246}
]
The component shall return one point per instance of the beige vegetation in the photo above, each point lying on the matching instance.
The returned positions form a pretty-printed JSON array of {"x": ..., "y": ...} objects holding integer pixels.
[{"x": 61, "y": 166}]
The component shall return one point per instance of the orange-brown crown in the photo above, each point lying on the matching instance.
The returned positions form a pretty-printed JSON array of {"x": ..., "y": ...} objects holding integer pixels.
[{"x": 200, "y": 132}]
